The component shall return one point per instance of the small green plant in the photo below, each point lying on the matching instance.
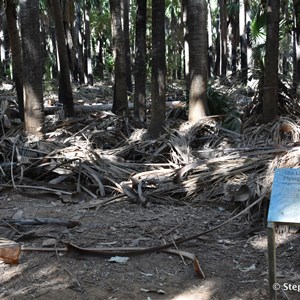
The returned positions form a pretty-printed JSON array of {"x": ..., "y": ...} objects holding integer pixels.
[{"x": 219, "y": 103}]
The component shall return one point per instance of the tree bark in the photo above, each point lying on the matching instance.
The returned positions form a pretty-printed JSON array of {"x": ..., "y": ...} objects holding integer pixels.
[
  {"x": 16, "y": 52},
  {"x": 120, "y": 87},
  {"x": 184, "y": 7},
  {"x": 32, "y": 67},
  {"x": 158, "y": 77},
  {"x": 270, "y": 93},
  {"x": 297, "y": 42},
  {"x": 87, "y": 46},
  {"x": 243, "y": 43},
  {"x": 79, "y": 65},
  {"x": 65, "y": 94},
  {"x": 197, "y": 24},
  {"x": 140, "y": 62},
  {"x": 223, "y": 33},
  {"x": 125, "y": 13}
]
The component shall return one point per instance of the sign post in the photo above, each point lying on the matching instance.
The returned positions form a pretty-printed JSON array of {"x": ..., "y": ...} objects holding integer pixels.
[{"x": 284, "y": 209}]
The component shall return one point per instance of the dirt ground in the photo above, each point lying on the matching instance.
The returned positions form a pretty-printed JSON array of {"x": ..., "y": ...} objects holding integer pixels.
[{"x": 235, "y": 265}]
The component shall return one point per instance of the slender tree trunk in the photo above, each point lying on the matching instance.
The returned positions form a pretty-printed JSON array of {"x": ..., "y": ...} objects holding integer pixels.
[
  {"x": 68, "y": 21},
  {"x": 79, "y": 67},
  {"x": 53, "y": 48},
  {"x": 2, "y": 46},
  {"x": 16, "y": 52},
  {"x": 87, "y": 43},
  {"x": 140, "y": 62},
  {"x": 243, "y": 43},
  {"x": 270, "y": 94},
  {"x": 125, "y": 13},
  {"x": 184, "y": 5},
  {"x": 120, "y": 105},
  {"x": 297, "y": 42},
  {"x": 197, "y": 24},
  {"x": 218, "y": 51},
  {"x": 287, "y": 40},
  {"x": 99, "y": 62},
  {"x": 234, "y": 20},
  {"x": 32, "y": 67},
  {"x": 65, "y": 94},
  {"x": 223, "y": 32},
  {"x": 158, "y": 77},
  {"x": 99, "y": 69},
  {"x": 210, "y": 41}
]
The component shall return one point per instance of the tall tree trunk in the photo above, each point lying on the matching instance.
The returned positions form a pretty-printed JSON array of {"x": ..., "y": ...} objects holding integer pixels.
[
  {"x": 65, "y": 94},
  {"x": 270, "y": 94},
  {"x": 158, "y": 77},
  {"x": 287, "y": 40},
  {"x": 243, "y": 43},
  {"x": 120, "y": 105},
  {"x": 197, "y": 24},
  {"x": 217, "y": 67},
  {"x": 99, "y": 63},
  {"x": 184, "y": 8},
  {"x": 223, "y": 32},
  {"x": 125, "y": 4},
  {"x": 297, "y": 42},
  {"x": 32, "y": 67},
  {"x": 140, "y": 62},
  {"x": 68, "y": 21},
  {"x": 210, "y": 41},
  {"x": 2, "y": 45},
  {"x": 234, "y": 21},
  {"x": 87, "y": 46},
  {"x": 16, "y": 52},
  {"x": 79, "y": 66},
  {"x": 99, "y": 69}
]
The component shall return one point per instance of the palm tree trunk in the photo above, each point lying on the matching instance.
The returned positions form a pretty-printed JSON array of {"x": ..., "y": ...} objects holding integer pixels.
[
  {"x": 297, "y": 42},
  {"x": 120, "y": 105},
  {"x": 65, "y": 94},
  {"x": 223, "y": 33},
  {"x": 32, "y": 67},
  {"x": 87, "y": 49},
  {"x": 16, "y": 52},
  {"x": 197, "y": 25},
  {"x": 243, "y": 43},
  {"x": 125, "y": 13},
  {"x": 140, "y": 62},
  {"x": 158, "y": 77},
  {"x": 270, "y": 93}
]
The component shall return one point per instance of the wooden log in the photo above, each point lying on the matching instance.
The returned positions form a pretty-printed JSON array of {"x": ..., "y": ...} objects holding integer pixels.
[{"x": 50, "y": 110}]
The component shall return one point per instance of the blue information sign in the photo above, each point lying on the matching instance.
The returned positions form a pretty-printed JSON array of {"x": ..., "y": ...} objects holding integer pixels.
[{"x": 285, "y": 197}]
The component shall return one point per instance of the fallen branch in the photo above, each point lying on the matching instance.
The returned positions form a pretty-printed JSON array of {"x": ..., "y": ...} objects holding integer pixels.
[
  {"x": 50, "y": 110},
  {"x": 122, "y": 251}
]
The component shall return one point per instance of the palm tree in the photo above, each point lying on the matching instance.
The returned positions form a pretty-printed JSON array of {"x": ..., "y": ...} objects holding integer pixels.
[
  {"x": 243, "y": 42},
  {"x": 16, "y": 52},
  {"x": 198, "y": 59},
  {"x": 87, "y": 45},
  {"x": 223, "y": 35},
  {"x": 184, "y": 7},
  {"x": 297, "y": 34},
  {"x": 140, "y": 61},
  {"x": 32, "y": 67},
  {"x": 65, "y": 94},
  {"x": 120, "y": 105},
  {"x": 125, "y": 5},
  {"x": 270, "y": 94},
  {"x": 158, "y": 77}
]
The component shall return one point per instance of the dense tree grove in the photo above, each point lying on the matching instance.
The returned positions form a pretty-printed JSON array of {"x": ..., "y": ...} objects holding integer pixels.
[{"x": 139, "y": 41}]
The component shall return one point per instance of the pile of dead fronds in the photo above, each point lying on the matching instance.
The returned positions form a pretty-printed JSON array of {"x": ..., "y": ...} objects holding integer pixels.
[{"x": 102, "y": 157}]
